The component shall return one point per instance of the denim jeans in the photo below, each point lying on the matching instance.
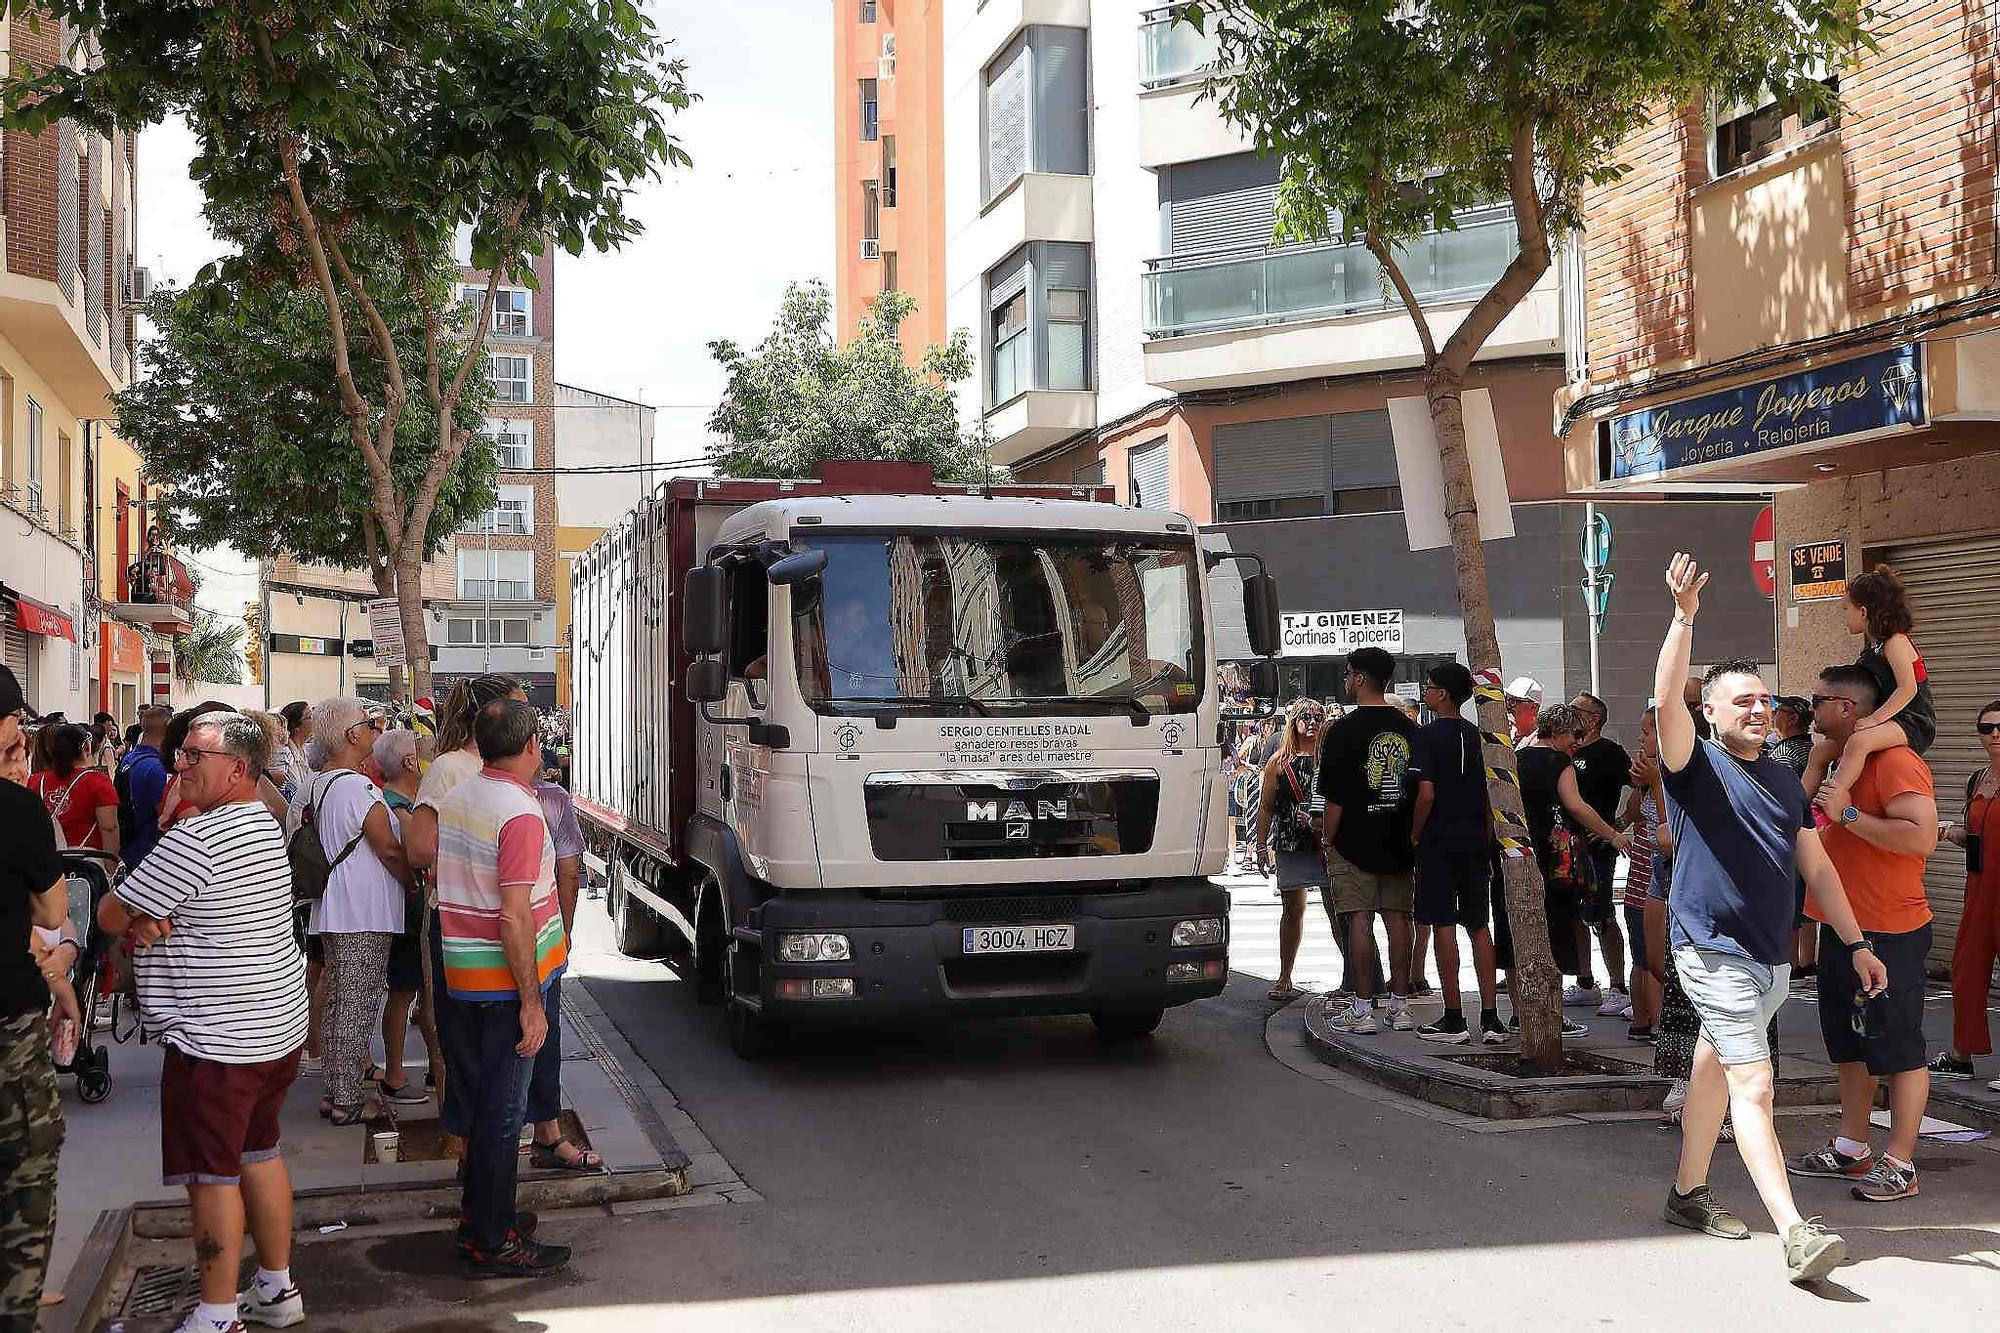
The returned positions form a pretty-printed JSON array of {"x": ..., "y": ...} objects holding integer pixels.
[
  {"x": 545, "y": 1091},
  {"x": 452, "y": 1114},
  {"x": 493, "y": 1087}
]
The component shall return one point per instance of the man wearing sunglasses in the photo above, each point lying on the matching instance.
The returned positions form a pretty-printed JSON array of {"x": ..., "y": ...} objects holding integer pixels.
[{"x": 1878, "y": 845}]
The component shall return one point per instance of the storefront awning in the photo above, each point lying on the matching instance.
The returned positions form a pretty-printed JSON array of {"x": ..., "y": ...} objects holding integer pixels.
[{"x": 38, "y": 617}]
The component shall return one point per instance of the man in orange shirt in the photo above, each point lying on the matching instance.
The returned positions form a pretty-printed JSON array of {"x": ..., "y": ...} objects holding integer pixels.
[{"x": 1878, "y": 842}]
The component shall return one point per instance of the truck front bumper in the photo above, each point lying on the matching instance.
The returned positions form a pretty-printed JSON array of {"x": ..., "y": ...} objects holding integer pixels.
[{"x": 908, "y": 958}]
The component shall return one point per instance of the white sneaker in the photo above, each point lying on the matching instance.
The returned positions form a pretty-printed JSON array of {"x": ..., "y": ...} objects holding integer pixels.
[
  {"x": 282, "y": 1311},
  {"x": 1581, "y": 995},
  {"x": 1617, "y": 1004},
  {"x": 1400, "y": 1021},
  {"x": 1357, "y": 1022},
  {"x": 1995, "y": 1085},
  {"x": 1626, "y": 1013},
  {"x": 1677, "y": 1097}
]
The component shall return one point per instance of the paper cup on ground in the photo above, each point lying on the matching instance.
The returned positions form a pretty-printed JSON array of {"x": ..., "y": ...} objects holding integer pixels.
[{"x": 387, "y": 1143}]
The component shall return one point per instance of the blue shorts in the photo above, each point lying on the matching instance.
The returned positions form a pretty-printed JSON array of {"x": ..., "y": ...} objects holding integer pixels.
[{"x": 1735, "y": 998}]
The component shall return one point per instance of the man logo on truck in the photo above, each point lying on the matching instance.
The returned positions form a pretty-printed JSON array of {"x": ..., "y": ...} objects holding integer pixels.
[{"x": 988, "y": 812}]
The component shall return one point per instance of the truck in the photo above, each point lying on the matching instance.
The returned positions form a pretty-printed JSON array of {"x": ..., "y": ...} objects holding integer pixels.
[{"x": 866, "y": 748}]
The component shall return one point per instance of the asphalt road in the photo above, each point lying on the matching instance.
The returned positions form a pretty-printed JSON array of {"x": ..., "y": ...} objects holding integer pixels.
[{"x": 1022, "y": 1175}]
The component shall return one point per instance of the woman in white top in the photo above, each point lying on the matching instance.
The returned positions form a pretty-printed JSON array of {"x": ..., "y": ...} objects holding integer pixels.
[{"x": 363, "y": 907}]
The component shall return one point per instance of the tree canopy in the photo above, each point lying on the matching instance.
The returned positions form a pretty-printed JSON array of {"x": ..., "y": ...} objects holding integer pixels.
[
  {"x": 238, "y": 408},
  {"x": 803, "y": 397}
]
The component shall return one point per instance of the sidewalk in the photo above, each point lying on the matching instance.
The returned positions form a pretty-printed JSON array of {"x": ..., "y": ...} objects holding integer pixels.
[{"x": 110, "y": 1194}]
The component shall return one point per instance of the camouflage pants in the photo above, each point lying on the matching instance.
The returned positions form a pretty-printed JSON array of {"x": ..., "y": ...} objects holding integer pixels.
[{"x": 31, "y": 1136}]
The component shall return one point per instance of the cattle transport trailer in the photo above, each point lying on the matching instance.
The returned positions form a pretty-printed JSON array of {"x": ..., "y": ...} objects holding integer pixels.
[{"x": 870, "y": 749}]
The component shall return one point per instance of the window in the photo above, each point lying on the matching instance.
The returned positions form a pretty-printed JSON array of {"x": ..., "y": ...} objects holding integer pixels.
[
  {"x": 1304, "y": 467},
  {"x": 888, "y": 171},
  {"x": 512, "y": 514},
  {"x": 1367, "y": 500},
  {"x": 513, "y": 377},
  {"x": 513, "y": 442},
  {"x": 34, "y": 455},
  {"x": 870, "y": 108},
  {"x": 871, "y": 212},
  {"x": 512, "y": 308},
  {"x": 471, "y": 631},
  {"x": 1148, "y": 475},
  {"x": 889, "y": 270},
  {"x": 1036, "y": 107},
  {"x": 502, "y": 576},
  {"x": 867, "y": 11},
  {"x": 1751, "y": 131},
  {"x": 1038, "y": 324},
  {"x": 64, "y": 518}
]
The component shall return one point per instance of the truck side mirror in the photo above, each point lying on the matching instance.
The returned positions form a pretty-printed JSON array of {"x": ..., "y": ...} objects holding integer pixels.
[
  {"x": 707, "y": 681},
  {"x": 1261, "y": 619},
  {"x": 705, "y": 612},
  {"x": 796, "y": 568}
]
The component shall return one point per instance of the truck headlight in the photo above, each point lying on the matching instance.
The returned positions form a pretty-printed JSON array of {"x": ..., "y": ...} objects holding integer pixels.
[
  {"x": 1201, "y": 930},
  {"x": 814, "y": 949}
]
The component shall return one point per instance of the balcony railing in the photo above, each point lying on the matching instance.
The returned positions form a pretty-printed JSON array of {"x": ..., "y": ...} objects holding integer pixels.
[
  {"x": 506, "y": 523},
  {"x": 1171, "y": 51},
  {"x": 498, "y": 590},
  {"x": 1251, "y": 286}
]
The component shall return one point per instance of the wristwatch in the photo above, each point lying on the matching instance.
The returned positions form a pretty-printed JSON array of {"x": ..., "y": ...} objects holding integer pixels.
[
  {"x": 1851, "y": 815},
  {"x": 1859, "y": 945}
]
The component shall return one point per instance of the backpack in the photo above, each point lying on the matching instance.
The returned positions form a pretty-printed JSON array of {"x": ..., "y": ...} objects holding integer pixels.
[
  {"x": 128, "y": 816},
  {"x": 311, "y": 869},
  {"x": 1568, "y": 867}
]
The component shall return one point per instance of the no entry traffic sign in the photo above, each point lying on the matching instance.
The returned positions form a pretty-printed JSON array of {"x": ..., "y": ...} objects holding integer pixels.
[{"x": 1763, "y": 554}]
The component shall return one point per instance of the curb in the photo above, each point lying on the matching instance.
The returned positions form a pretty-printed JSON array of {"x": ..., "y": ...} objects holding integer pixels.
[
  {"x": 1495, "y": 1096},
  {"x": 90, "y": 1279}
]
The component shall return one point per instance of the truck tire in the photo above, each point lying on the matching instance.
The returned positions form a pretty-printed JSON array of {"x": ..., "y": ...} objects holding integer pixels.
[
  {"x": 1126, "y": 1024},
  {"x": 711, "y": 946},
  {"x": 635, "y": 929},
  {"x": 751, "y": 1035}
]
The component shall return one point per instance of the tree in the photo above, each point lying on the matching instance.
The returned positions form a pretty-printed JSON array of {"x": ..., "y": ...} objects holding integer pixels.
[
  {"x": 802, "y": 397},
  {"x": 322, "y": 127},
  {"x": 1390, "y": 118},
  {"x": 237, "y": 408},
  {"x": 212, "y": 652}
]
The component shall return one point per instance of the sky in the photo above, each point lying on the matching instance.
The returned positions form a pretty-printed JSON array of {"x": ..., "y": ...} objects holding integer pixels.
[{"x": 722, "y": 238}]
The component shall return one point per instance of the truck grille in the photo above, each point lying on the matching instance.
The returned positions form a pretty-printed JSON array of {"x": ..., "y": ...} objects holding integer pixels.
[
  {"x": 976, "y": 911},
  {"x": 975, "y": 821}
]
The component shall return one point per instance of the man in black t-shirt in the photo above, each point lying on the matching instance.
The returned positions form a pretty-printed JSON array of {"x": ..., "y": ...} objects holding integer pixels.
[
  {"x": 1364, "y": 773},
  {"x": 33, "y": 892},
  {"x": 1451, "y": 828},
  {"x": 1603, "y": 771}
]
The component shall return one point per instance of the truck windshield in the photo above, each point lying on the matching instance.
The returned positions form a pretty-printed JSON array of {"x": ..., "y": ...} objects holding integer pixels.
[{"x": 978, "y": 621}]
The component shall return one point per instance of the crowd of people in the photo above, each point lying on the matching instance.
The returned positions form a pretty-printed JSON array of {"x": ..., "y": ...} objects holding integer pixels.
[
  {"x": 1761, "y": 837},
  {"x": 289, "y": 886}
]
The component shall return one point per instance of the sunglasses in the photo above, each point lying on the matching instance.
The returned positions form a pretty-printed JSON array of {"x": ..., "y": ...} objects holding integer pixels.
[
  {"x": 1988, "y": 728},
  {"x": 1819, "y": 699}
]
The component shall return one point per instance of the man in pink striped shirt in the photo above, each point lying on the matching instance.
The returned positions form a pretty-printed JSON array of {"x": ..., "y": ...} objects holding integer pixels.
[{"x": 503, "y": 944}]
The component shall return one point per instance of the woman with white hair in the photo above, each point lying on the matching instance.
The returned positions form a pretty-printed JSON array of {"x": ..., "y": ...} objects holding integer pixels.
[
  {"x": 362, "y": 910},
  {"x": 396, "y": 761}
]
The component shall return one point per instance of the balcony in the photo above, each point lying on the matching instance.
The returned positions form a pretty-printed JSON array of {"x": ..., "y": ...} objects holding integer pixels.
[
  {"x": 1034, "y": 419},
  {"x": 1171, "y": 51},
  {"x": 496, "y": 590},
  {"x": 507, "y": 523}
]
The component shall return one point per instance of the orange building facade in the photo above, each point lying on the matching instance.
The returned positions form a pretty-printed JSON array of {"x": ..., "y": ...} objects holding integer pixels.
[{"x": 888, "y": 93}]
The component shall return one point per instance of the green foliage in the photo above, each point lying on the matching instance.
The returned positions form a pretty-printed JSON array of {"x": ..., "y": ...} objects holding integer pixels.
[
  {"x": 802, "y": 397},
  {"x": 1391, "y": 116},
  {"x": 238, "y": 406},
  {"x": 212, "y": 653}
]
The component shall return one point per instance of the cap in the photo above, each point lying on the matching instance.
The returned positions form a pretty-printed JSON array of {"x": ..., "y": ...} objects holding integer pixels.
[
  {"x": 424, "y": 704},
  {"x": 1793, "y": 703},
  {"x": 1526, "y": 687},
  {"x": 11, "y": 699}
]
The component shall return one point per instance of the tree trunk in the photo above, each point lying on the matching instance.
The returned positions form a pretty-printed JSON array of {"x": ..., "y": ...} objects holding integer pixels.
[
  {"x": 1534, "y": 984},
  {"x": 416, "y": 629}
]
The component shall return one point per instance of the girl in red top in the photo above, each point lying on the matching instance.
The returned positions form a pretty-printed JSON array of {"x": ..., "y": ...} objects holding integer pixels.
[
  {"x": 81, "y": 797},
  {"x": 1979, "y": 928}
]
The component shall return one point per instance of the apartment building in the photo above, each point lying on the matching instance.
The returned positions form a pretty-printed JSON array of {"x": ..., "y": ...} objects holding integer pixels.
[
  {"x": 78, "y": 510},
  {"x": 1810, "y": 305},
  {"x": 492, "y": 593},
  {"x": 1110, "y": 239},
  {"x": 598, "y": 430},
  {"x": 888, "y": 94}
]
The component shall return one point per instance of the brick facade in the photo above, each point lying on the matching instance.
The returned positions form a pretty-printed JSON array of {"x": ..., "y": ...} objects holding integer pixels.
[
  {"x": 1917, "y": 135},
  {"x": 1638, "y": 279}
]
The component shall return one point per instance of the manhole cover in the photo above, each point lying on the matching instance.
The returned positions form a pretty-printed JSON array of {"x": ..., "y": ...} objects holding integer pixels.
[{"x": 162, "y": 1289}]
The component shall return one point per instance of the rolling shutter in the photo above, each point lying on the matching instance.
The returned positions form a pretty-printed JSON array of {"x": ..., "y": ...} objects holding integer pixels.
[
  {"x": 1007, "y": 116},
  {"x": 1271, "y": 460},
  {"x": 1221, "y": 203},
  {"x": 1364, "y": 451},
  {"x": 1149, "y": 475},
  {"x": 13, "y": 645},
  {"x": 1954, "y": 592}
]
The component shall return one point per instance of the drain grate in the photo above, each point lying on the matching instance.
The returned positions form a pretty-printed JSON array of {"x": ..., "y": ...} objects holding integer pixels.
[{"x": 164, "y": 1289}]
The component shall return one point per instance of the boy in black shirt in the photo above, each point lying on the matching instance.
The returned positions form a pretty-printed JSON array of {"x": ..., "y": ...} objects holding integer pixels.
[
  {"x": 1452, "y": 831},
  {"x": 1364, "y": 773},
  {"x": 1603, "y": 771}
]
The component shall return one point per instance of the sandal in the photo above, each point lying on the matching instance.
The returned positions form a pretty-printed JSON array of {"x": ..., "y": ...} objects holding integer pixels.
[
  {"x": 1284, "y": 990},
  {"x": 549, "y": 1157},
  {"x": 343, "y": 1116}
]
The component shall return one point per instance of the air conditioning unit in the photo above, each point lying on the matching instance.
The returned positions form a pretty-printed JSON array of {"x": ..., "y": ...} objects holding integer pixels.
[
  {"x": 871, "y": 248},
  {"x": 885, "y": 68},
  {"x": 142, "y": 285}
]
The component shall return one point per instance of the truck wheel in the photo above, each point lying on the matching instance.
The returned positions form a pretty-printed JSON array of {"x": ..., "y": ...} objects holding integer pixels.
[
  {"x": 636, "y": 930},
  {"x": 711, "y": 979},
  {"x": 1126, "y": 1024},
  {"x": 751, "y": 1035}
]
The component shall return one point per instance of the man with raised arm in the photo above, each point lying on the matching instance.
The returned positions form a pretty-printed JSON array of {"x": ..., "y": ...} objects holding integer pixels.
[{"x": 1742, "y": 828}]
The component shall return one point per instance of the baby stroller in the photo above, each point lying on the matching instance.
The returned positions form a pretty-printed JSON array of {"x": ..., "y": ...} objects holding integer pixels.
[{"x": 90, "y": 873}]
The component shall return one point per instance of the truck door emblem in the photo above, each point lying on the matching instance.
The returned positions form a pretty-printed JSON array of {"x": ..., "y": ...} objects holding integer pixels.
[
  {"x": 1170, "y": 736},
  {"x": 1017, "y": 831},
  {"x": 848, "y": 736}
]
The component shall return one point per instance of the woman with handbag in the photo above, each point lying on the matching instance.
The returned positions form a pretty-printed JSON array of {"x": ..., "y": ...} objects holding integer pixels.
[
  {"x": 1978, "y": 832},
  {"x": 1288, "y": 824}
]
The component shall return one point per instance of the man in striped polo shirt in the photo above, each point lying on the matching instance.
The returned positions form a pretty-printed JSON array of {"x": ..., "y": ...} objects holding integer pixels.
[
  {"x": 503, "y": 943},
  {"x": 222, "y": 986}
]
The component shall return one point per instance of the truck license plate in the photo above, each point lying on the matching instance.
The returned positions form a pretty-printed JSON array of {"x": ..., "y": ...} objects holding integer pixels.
[{"x": 1019, "y": 939}]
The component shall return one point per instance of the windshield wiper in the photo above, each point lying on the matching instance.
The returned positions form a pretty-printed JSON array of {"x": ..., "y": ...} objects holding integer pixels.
[
  {"x": 978, "y": 706},
  {"x": 1130, "y": 703}
]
